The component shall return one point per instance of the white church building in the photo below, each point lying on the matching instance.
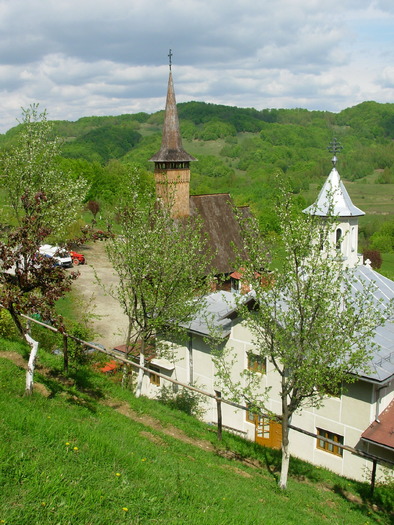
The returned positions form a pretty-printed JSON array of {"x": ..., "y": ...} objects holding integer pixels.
[{"x": 361, "y": 418}]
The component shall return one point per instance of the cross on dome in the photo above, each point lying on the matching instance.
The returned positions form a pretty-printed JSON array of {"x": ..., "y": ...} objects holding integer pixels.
[{"x": 335, "y": 147}]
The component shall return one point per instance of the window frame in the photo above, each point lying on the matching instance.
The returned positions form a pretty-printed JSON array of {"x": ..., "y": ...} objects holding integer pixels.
[
  {"x": 256, "y": 363},
  {"x": 154, "y": 379},
  {"x": 329, "y": 447}
]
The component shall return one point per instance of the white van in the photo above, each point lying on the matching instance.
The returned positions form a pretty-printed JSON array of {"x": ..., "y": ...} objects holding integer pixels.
[{"x": 60, "y": 256}]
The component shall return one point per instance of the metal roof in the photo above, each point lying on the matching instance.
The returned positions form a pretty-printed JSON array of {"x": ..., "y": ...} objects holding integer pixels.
[
  {"x": 382, "y": 362},
  {"x": 220, "y": 305},
  {"x": 334, "y": 200}
]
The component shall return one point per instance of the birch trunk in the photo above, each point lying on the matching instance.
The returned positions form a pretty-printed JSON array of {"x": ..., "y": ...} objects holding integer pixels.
[
  {"x": 140, "y": 371},
  {"x": 286, "y": 420},
  {"x": 30, "y": 364}
]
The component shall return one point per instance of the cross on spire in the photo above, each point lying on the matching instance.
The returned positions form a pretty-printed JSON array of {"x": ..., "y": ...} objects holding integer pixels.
[
  {"x": 170, "y": 58},
  {"x": 335, "y": 147}
]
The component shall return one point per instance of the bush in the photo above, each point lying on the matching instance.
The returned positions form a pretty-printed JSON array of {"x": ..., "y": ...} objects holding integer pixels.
[
  {"x": 77, "y": 351},
  {"x": 7, "y": 326},
  {"x": 184, "y": 400},
  {"x": 374, "y": 256},
  {"x": 384, "y": 491}
]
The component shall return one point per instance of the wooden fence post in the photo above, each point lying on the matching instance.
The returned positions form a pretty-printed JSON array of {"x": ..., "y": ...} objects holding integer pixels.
[
  {"x": 373, "y": 477},
  {"x": 65, "y": 353},
  {"x": 219, "y": 410}
]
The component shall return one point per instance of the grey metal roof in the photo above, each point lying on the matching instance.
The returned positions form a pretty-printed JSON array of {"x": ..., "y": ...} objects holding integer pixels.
[
  {"x": 382, "y": 362},
  {"x": 334, "y": 194},
  {"x": 171, "y": 146},
  {"x": 219, "y": 305}
]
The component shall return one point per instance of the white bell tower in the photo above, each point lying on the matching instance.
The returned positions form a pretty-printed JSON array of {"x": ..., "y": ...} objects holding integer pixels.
[{"x": 334, "y": 201}]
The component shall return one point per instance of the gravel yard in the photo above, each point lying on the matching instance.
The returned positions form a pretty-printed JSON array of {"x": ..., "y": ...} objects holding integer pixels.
[{"x": 111, "y": 325}]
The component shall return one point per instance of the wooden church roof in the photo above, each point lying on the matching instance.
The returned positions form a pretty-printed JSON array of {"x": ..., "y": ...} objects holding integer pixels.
[{"x": 221, "y": 226}]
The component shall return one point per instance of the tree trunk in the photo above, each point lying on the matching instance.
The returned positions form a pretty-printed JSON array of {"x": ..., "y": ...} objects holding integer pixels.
[
  {"x": 30, "y": 364},
  {"x": 140, "y": 371},
  {"x": 286, "y": 420},
  {"x": 33, "y": 353},
  {"x": 125, "y": 376}
]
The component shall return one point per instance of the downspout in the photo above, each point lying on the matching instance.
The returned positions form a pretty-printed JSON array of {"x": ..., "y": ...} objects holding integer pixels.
[
  {"x": 190, "y": 348},
  {"x": 377, "y": 401}
]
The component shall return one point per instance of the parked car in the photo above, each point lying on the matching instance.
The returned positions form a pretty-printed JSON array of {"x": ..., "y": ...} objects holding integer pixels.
[
  {"x": 77, "y": 258},
  {"x": 60, "y": 256}
]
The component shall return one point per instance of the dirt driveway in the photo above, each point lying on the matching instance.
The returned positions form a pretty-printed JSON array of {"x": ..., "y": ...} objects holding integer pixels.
[{"x": 111, "y": 324}]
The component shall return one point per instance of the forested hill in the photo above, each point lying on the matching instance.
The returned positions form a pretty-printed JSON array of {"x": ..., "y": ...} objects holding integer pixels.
[{"x": 239, "y": 150}]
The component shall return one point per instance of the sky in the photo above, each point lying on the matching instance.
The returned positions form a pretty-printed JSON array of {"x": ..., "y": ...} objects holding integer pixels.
[{"x": 79, "y": 58}]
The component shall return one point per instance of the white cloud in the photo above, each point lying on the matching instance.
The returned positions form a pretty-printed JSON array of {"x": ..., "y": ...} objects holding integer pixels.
[{"x": 81, "y": 57}]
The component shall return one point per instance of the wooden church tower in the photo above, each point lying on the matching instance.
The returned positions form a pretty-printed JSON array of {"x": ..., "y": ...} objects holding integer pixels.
[{"x": 172, "y": 162}]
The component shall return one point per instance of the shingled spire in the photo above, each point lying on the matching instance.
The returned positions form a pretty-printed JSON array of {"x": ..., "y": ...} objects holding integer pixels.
[{"x": 172, "y": 162}]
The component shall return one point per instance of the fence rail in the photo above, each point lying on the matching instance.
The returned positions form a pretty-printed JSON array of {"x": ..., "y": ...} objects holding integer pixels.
[{"x": 219, "y": 400}]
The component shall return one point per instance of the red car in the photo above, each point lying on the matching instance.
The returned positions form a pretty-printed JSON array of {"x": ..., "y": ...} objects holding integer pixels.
[{"x": 77, "y": 258}]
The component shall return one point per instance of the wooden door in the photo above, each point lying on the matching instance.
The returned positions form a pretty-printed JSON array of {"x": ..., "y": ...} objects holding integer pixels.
[{"x": 268, "y": 432}]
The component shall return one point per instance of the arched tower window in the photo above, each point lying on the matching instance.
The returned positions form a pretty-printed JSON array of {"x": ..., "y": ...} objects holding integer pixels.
[{"x": 338, "y": 238}]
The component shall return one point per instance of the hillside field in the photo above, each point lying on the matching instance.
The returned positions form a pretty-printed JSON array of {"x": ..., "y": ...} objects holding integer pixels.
[{"x": 83, "y": 451}]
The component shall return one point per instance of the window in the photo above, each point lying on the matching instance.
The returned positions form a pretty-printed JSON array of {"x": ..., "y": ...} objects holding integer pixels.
[
  {"x": 263, "y": 428},
  {"x": 329, "y": 447},
  {"x": 154, "y": 378},
  {"x": 338, "y": 238},
  {"x": 256, "y": 363},
  {"x": 250, "y": 415}
]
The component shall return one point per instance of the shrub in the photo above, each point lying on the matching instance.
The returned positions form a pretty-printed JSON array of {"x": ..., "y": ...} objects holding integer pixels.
[
  {"x": 7, "y": 327},
  {"x": 374, "y": 256},
  {"x": 183, "y": 399}
]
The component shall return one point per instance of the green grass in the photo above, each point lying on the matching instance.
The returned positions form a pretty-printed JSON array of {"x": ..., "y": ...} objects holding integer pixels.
[
  {"x": 69, "y": 459},
  {"x": 387, "y": 268}
]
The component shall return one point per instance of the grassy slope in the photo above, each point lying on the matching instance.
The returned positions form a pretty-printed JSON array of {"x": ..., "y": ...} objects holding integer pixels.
[{"x": 69, "y": 459}]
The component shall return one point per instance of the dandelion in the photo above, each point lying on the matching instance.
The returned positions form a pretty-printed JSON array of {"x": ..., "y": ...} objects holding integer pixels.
[
  {"x": 125, "y": 509},
  {"x": 67, "y": 443},
  {"x": 43, "y": 504},
  {"x": 143, "y": 459},
  {"x": 75, "y": 448},
  {"x": 117, "y": 474}
]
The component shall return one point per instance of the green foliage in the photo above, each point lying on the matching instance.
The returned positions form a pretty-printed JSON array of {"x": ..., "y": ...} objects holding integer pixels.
[
  {"x": 7, "y": 325},
  {"x": 211, "y": 167},
  {"x": 183, "y": 399},
  {"x": 102, "y": 144},
  {"x": 384, "y": 491},
  {"x": 77, "y": 352},
  {"x": 387, "y": 177},
  {"x": 30, "y": 167},
  {"x": 215, "y": 129},
  {"x": 189, "y": 130},
  {"x": 240, "y": 119},
  {"x": 383, "y": 239},
  {"x": 161, "y": 264},
  {"x": 290, "y": 140}
]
